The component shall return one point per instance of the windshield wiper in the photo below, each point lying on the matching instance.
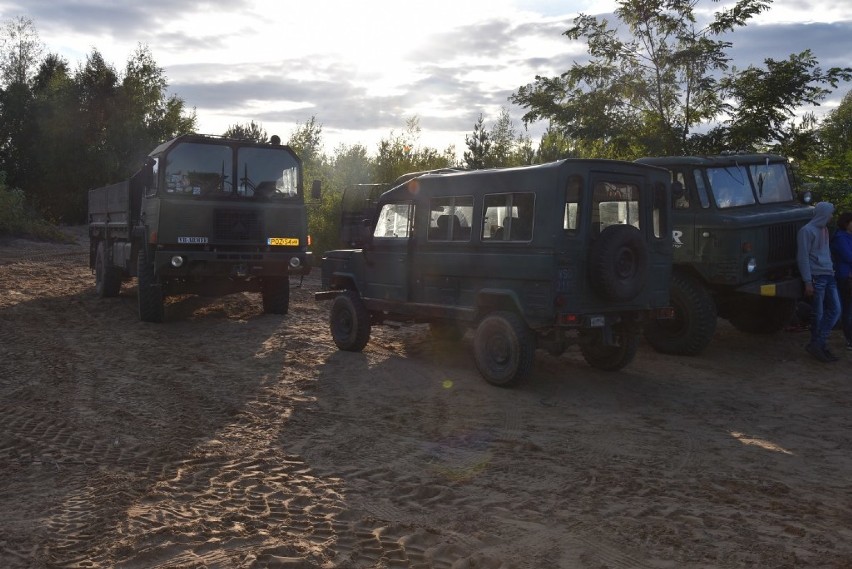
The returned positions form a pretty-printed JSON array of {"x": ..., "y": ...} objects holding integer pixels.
[{"x": 245, "y": 181}]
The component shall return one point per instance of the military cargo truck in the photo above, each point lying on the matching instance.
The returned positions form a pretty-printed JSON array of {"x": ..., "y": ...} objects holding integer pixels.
[
  {"x": 575, "y": 252},
  {"x": 735, "y": 228},
  {"x": 204, "y": 215}
]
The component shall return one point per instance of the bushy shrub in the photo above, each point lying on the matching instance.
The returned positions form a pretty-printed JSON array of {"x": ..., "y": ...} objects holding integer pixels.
[{"x": 18, "y": 220}]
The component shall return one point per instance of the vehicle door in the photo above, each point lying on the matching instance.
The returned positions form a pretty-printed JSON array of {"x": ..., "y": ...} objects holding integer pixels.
[
  {"x": 623, "y": 200},
  {"x": 694, "y": 198},
  {"x": 359, "y": 204},
  {"x": 388, "y": 257}
]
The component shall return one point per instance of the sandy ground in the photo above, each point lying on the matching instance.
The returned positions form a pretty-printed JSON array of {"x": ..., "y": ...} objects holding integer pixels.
[{"x": 228, "y": 438}]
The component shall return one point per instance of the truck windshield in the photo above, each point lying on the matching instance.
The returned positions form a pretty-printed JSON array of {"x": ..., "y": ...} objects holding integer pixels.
[
  {"x": 208, "y": 170},
  {"x": 745, "y": 185},
  {"x": 194, "y": 169},
  {"x": 267, "y": 172},
  {"x": 771, "y": 182}
]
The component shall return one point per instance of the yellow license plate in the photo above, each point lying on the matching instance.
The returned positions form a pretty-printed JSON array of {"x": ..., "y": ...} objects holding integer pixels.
[{"x": 283, "y": 241}]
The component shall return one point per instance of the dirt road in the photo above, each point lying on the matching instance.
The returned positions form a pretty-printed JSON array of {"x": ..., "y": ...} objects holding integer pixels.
[{"x": 228, "y": 438}]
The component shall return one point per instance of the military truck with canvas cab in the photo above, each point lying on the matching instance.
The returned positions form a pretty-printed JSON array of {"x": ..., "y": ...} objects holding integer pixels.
[
  {"x": 735, "y": 227},
  {"x": 204, "y": 215},
  {"x": 575, "y": 252}
]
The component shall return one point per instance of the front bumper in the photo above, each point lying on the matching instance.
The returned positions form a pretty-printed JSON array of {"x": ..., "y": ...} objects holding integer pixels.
[
  {"x": 232, "y": 264},
  {"x": 785, "y": 288}
]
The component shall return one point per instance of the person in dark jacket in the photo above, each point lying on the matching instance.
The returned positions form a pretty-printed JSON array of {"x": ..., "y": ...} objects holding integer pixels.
[
  {"x": 815, "y": 265},
  {"x": 841, "y": 250}
]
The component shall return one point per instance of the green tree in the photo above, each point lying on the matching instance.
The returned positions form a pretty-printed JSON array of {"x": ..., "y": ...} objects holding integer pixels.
[
  {"x": 828, "y": 167},
  {"x": 19, "y": 55},
  {"x": 503, "y": 141},
  {"x": 56, "y": 152},
  {"x": 21, "y": 51},
  {"x": 476, "y": 157},
  {"x": 94, "y": 127},
  {"x": 644, "y": 88},
  {"x": 835, "y": 135},
  {"x": 554, "y": 146},
  {"x": 400, "y": 154},
  {"x": 147, "y": 115},
  {"x": 249, "y": 131},
  {"x": 765, "y": 101},
  {"x": 16, "y": 106},
  {"x": 306, "y": 140},
  {"x": 349, "y": 165},
  {"x": 523, "y": 152}
]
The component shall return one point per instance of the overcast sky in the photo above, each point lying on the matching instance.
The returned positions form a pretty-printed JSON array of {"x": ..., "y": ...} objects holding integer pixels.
[{"x": 363, "y": 68}]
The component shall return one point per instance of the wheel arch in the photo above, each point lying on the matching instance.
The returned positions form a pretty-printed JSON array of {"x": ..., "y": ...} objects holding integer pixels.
[
  {"x": 343, "y": 281},
  {"x": 491, "y": 300}
]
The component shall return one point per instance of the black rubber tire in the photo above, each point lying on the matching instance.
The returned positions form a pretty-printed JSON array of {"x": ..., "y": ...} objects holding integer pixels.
[
  {"x": 763, "y": 315},
  {"x": 694, "y": 324},
  {"x": 504, "y": 349},
  {"x": 150, "y": 290},
  {"x": 445, "y": 331},
  {"x": 618, "y": 263},
  {"x": 276, "y": 295},
  {"x": 349, "y": 322},
  {"x": 107, "y": 278},
  {"x": 612, "y": 358}
]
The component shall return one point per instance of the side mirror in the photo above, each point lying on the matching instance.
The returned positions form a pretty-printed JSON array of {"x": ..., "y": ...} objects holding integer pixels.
[{"x": 316, "y": 189}]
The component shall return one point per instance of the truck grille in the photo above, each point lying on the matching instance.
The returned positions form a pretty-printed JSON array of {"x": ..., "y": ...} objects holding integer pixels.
[
  {"x": 782, "y": 241},
  {"x": 237, "y": 225}
]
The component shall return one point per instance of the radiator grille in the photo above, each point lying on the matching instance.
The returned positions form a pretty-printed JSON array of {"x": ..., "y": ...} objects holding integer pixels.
[
  {"x": 237, "y": 225},
  {"x": 782, "y": 241}
]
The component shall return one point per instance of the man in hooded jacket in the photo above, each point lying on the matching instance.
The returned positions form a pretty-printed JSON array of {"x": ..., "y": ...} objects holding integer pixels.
[{"x": 815, "y": 266}]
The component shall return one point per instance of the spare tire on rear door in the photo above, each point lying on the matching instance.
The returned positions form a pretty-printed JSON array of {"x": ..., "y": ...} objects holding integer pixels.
[{"x": 618, "y": 263}]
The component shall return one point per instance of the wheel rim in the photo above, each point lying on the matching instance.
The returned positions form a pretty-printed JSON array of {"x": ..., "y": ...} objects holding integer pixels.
[
  {"x": 625, "y": 264},
  {"x": 497, "y": 348},
  {"x": 344, "y": 323}
]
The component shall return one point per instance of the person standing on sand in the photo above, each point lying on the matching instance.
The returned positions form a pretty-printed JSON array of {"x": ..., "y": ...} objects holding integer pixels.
[
  {"x": 841, "y": 250},
  {"x": 817, "y": 270}
]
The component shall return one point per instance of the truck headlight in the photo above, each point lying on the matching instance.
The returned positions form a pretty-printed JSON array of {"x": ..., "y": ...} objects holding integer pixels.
[
  {"x": 751, "y": 265},
  {"x": 177, "y": 261},
  {"x": 295, "y": 262}
]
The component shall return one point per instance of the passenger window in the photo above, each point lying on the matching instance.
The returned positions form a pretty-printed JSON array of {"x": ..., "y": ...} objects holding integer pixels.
[
  {"x": 508, "y": 217},
  {"x": 395, "y": 221},
  {"x": 615, "y": 203},
  {"x": 702, "y": 189},
  {"x": 660, "y": 218},
  {"x": 572, "y": 203},
  {"x": 681, "y": 202},
  {"x": 450, "y": 218}
]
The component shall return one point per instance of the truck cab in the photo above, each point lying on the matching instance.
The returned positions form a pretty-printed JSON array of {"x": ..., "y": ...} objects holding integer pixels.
[
  {"x": 204, "y": 215},
  {"x": 571, "y": 252},
  {"x": 734, "y": 238}
]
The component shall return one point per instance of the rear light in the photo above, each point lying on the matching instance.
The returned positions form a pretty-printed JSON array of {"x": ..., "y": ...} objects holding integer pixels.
[
  {"x": 569, "y": 319},
  {"x": 747, "y": 247},
  {"x": 310, "y": 241}
]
